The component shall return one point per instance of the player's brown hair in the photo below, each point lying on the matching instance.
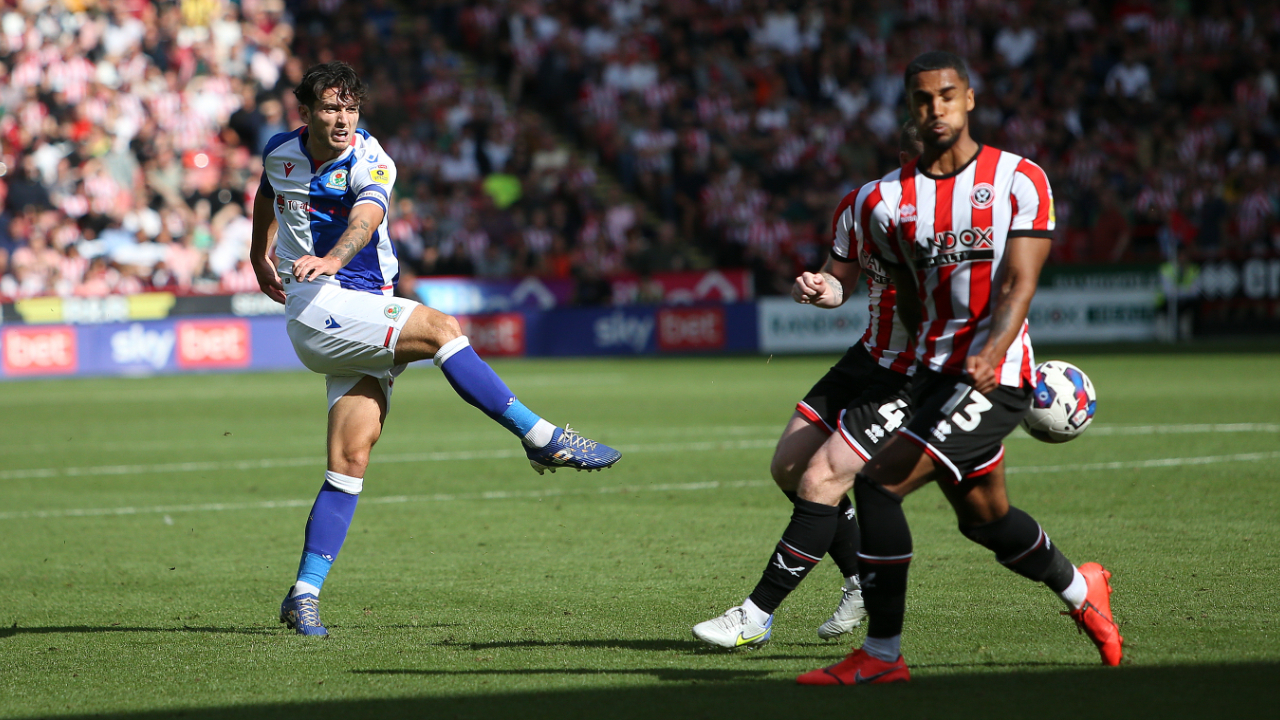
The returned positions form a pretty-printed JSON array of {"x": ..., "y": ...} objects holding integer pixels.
[{"x": 335, "y": 75}]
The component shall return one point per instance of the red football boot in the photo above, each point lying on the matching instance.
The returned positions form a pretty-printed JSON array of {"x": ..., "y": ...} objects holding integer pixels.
[
  {"x": 858, "y": 669},
  {"x": 1094, "y": 617}
]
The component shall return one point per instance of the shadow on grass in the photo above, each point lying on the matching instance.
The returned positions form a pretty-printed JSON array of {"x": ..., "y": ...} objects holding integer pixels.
[
  {"x": 1191, "y": 691},
  {"x": 664, "y": 674},
  {"x": 646, "y": 645},
  {"x": 76, "y": 629}
]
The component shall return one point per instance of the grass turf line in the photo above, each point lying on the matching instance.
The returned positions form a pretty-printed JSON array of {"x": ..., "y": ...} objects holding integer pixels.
[{"x": 581, "y": 605}]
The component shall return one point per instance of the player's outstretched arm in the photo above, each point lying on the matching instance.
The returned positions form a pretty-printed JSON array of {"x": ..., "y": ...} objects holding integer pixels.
[
  {"x": 825, "y": 288},
  {"x": 1024, "y": 257},
  {"x": 365, "y": 218},
  {"x": 264, "y": 226}
]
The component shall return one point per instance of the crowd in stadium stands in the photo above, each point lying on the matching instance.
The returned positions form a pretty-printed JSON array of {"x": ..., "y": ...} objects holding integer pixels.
[{"x": 131, "y": 130}]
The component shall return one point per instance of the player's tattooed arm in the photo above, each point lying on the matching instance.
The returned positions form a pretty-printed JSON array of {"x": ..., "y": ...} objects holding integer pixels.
[
  {"x": 825, "y": 288},
  {"x": 1023, "y": 259},
  {"x": 364, "y": 220}
]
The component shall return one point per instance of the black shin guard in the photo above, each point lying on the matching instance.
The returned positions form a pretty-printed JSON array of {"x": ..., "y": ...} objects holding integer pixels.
[
  {"x": 884, "y": 558},
  {"x": 803, "y": 543},
  {"x": 848, "y": 540},
  {"x": 1022, "y": 546}
]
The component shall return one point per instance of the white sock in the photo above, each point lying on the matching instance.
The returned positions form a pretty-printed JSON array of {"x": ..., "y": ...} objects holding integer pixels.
[
  {"x": 540, "y": 434},
  {"x": 301, "y": 588},
  {"x": 754, "y": 612},
  {"x": 886, "y": 649},
  {"x": 1075, "y": 594}
]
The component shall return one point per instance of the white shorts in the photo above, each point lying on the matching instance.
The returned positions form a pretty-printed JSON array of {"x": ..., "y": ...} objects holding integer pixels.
[{"x": 345, "y": 334}]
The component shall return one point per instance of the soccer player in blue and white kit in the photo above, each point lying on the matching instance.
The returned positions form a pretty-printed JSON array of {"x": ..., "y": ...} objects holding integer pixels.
[{"x": 324, "y": 196}]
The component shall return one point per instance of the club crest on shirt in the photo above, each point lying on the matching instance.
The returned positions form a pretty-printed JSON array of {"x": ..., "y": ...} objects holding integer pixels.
[
  {"x": 337, "y": 180},
  {"x": 392, "y": 311},
  {"x": 983, "y": 196},
  {"x": 907, "y": 213},
  {"x": 380, "y": 175}
]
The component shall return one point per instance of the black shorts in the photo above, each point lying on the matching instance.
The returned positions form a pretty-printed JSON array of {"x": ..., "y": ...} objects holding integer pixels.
[
  {"x": 862, "y": 400},
  {"x": 960, "y": 428}
]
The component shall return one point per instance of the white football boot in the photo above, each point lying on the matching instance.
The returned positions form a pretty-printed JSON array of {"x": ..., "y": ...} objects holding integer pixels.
[
  {"x": 848, "y": 614},
  {"x": 734, "y": 629}
]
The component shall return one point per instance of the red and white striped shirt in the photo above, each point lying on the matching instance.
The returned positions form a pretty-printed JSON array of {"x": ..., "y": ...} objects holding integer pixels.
[
  {"x": 886, "y": 338},
  {"x": 953, "y": 232}
]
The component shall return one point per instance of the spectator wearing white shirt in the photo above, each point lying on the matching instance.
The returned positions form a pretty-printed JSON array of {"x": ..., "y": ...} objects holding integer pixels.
[
  {"x": 1016, "y": 42},
  {"x": 1129, "y": 79}
]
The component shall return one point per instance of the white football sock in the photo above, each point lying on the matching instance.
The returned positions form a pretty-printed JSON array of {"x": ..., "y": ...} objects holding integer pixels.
[
  {"x": 754, "y": 612},
  {"x": 1075, "y": 594},
  {"x": 301, "y": 588},
  {"x": 540, "y": 434},
  {"x": 886, "y": 649}
]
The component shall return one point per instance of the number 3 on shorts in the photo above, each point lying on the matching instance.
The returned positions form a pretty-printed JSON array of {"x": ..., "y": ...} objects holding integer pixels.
[{"x": 968, "y": 417}]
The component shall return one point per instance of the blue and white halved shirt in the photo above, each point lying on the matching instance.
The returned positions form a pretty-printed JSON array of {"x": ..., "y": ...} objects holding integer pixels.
[{"x": 313, "y": 205}]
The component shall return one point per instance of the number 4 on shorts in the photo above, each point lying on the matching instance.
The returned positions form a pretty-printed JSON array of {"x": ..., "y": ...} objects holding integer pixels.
[{"x": 893, "y": 414}]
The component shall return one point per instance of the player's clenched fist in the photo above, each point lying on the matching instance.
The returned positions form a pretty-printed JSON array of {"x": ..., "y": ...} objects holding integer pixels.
[{"x": 819, "y": 289}]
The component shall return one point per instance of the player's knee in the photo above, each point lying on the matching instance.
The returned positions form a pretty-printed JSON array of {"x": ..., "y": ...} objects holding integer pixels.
[
  {"x": 821, "y": 483},
  {"x": 785, "y": 471},
  {"x": 352, "y": 461},
  {"x": 447, "y": 328}
]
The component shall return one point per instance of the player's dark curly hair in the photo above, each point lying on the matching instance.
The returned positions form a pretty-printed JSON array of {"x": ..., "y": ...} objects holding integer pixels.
[
  {"x": 936, "y": 60},
  {"x": 336, "y": 75}
]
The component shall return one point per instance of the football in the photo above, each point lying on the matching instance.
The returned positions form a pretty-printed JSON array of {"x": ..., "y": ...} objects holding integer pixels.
[{"x": 1063, "y": 404}]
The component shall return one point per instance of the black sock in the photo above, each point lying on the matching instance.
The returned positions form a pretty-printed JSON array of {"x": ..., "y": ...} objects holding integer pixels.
[
  {"x": 884, "y": 558},
  {"x": 803, "y": 543},
  {"x": 1022, "y": 546},
  {"x": 848, "y": 540}
]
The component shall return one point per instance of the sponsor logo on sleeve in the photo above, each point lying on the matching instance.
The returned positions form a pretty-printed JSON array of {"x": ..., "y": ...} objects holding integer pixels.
[
  {"x": 39, "y": 351},
  {"x": 213, "y": 343},
  {"x": 381, "y": 175}
]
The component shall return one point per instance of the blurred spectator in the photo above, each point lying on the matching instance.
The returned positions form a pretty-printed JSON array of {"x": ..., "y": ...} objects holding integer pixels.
[{"x": 131, "y": 131}]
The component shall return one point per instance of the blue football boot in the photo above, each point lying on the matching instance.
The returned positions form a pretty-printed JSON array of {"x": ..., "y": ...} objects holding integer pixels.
[
  {"x": 302, "y": 614},
  {"x": 568, "y": 449}
]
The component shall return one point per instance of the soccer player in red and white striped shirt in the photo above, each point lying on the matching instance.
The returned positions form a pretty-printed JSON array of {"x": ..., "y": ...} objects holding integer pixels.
[{"x": 967, "y": 228}]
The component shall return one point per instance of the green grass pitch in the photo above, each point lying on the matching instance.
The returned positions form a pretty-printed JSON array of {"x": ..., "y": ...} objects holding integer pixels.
[{"x": 150, "y": 526}]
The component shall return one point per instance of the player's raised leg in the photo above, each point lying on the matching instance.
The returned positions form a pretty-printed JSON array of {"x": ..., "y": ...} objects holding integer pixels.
[
  {"x": 1020, "y": 544},
  {"x": 355, "y": 423},
  {"x": 429, "y": 333}
]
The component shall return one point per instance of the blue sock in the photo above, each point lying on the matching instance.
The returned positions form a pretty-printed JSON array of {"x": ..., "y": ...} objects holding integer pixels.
[
  {"x": 326, "y": 530},
  {"x": 479, "y": 385}
]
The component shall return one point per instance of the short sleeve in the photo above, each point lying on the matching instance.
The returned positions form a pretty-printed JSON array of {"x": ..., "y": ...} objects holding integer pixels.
[
  {"x": 873, "y": 225},
  {"x": 372, "y": 180},
  {"x": 842, "y": 229},
  {"x": 1032, "y": 202},
  {"x": 264, "y": 185}
]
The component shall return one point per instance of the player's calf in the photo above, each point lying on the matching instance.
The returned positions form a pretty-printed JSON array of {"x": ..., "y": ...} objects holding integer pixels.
[{"x": 1021, "y": 545}]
